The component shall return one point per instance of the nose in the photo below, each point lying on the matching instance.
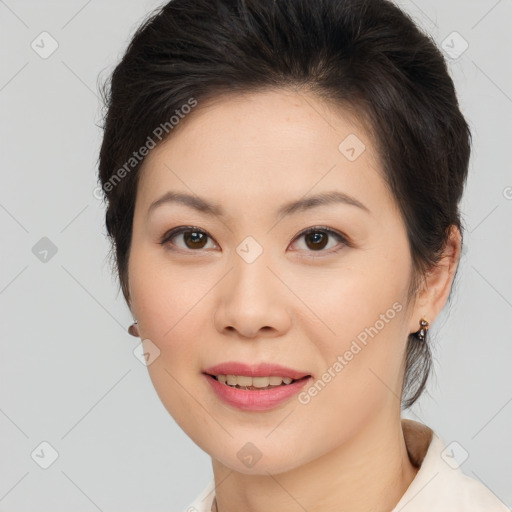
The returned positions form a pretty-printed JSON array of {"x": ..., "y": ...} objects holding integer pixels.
[{"x": 252, "y": 301}]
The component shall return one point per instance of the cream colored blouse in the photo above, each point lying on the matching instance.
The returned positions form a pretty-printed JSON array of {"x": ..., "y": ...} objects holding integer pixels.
[{"x": 439, "y": 485}]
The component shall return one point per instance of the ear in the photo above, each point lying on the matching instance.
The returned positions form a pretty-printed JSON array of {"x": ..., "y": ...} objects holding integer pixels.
[{"x": 438, "y": 282}]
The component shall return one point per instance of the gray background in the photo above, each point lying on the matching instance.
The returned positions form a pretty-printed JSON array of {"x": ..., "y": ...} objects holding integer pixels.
[{"x": 68, "y": 373}]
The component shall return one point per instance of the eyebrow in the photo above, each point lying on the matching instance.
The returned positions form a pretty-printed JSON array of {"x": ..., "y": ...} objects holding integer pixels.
[{"x": 203, "y": 206}]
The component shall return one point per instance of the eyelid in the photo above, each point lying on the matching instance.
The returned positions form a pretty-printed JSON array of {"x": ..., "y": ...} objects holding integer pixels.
[
  {"x": 336, "y": 234},
  {"x": 168, "y": 235},
  {"x": 313, "y": 229}
]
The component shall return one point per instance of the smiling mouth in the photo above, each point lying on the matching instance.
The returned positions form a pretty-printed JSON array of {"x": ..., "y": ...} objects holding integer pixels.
[{"x": 255, "y": 383}]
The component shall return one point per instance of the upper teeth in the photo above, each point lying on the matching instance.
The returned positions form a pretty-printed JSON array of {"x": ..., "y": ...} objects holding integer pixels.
[{"x": 257, "y": 382}]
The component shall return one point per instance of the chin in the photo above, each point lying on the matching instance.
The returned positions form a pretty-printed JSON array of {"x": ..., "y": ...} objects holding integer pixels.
[
  {"x": 248, "y": 459},
  {"x": 262, "y": 468}
]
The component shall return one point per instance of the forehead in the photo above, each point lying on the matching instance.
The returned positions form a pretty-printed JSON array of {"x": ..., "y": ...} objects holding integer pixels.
[
  {"x": 273, "y": 119},
  {"x": 262, "y": 145}
]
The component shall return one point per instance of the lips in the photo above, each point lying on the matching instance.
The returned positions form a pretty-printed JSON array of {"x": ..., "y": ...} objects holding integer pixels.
[
  {"x": 254, "y": 400},
  {"x": 260, "y": 370}
]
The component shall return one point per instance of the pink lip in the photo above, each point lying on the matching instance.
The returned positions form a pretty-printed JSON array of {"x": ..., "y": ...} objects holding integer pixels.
[
  {"x": 255, "y": 400},
  {"x": 259, "y": 370}
]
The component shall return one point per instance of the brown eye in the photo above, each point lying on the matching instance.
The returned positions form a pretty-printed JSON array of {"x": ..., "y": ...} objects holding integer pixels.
[
  {"x": 318, "y": 238},
  {"x": 194, "y": 239},
  {"x": 191, "y": 238}
]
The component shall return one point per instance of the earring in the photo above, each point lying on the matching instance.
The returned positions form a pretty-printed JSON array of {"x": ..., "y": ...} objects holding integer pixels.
[
  {"x": 133, "y": 329},
  {"x": 422, "y": 333}
]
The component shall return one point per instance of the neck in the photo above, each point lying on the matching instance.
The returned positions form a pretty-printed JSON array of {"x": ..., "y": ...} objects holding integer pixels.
[{"x": 370, "y": 472}]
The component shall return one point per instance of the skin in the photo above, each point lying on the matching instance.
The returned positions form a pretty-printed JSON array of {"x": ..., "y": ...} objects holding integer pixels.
[{"x": 295, "y": 305}]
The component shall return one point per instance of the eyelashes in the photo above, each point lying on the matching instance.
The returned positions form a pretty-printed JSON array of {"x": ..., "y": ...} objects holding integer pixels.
[
  {"x": 198, "y": 239},
  {"x": 199, "y": 235}
]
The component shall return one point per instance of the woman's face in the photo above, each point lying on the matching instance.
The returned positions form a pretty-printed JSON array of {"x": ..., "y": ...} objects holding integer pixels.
[{"x": 245, "y": 284}]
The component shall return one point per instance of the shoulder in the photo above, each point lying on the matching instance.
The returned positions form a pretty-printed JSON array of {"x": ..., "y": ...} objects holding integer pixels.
[
  {"x": 440, "y": 484},
  {"x": 203, "y": 502}
]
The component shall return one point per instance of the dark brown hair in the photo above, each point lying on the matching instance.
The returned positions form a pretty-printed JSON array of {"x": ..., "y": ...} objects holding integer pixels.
[{"x": 364, "y": 54}]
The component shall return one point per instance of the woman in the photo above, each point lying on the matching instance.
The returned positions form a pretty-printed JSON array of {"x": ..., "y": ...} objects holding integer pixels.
[{"x": 282, "y": 180}]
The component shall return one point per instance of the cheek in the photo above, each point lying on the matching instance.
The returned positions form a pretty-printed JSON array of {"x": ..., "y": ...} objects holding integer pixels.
[
  {"x": 168, "y": 304},
  {"x": 360, "y": 332},
  {"x": 352, "y": 301},
  {"x": 362, "y": 362},
  {"x": 164, "y": 296},
  {"x": 169, "y": 308}
]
